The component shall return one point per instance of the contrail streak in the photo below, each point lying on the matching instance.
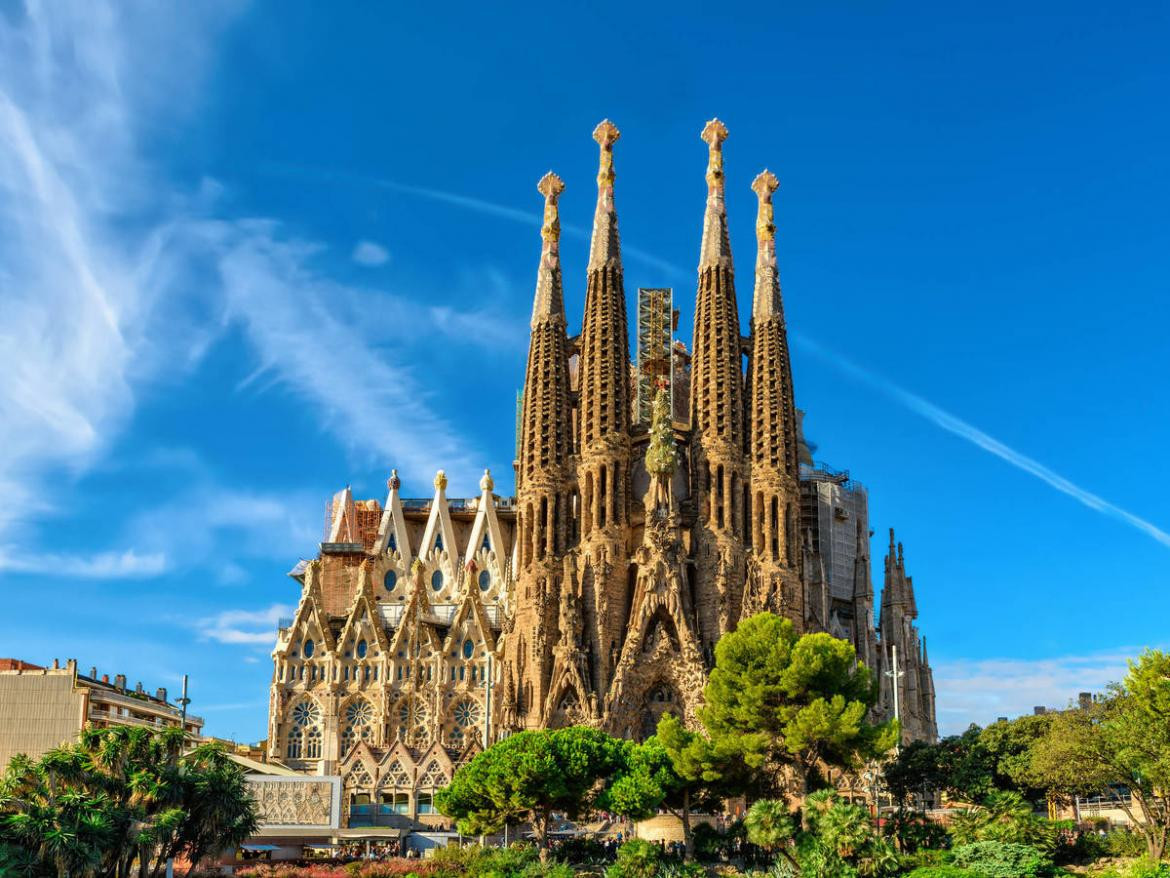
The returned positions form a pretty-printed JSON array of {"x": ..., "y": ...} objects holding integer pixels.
[
  {"x": 477, "y": 205},
  {"x": 952, "y": 424}
]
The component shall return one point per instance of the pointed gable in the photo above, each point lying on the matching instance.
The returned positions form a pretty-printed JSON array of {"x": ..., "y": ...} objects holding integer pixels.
[
  {"x": 471, "y": 623},
  {"x": 440, "y": 532},
  {"x": 343, "y": 526},
  {"x": 364, "y": 619},
  {"x": 310, "y": 619},
  {"x": 487, "y": 537},
  {"x": 393, "y": 534}
]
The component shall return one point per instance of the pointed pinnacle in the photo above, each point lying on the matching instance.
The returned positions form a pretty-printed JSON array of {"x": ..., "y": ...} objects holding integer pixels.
[
  {"x": 549, "y": 300},
  {"x": 604, "y": 245},
  {"x": 716, "y": 245},
  {"x": 766, "y": 300}
]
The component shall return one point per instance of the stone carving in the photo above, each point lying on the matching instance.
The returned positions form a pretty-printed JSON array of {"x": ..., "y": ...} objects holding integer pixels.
[{"x": 293, "y": 803}]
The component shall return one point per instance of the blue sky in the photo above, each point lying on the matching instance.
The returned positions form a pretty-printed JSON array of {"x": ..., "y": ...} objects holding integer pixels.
[{"x": 253, "y": 253}]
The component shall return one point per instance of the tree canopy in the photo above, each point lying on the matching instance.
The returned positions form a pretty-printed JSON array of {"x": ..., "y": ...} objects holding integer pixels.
[
  {"x": 781, "y": 702},
  {"x": 117, "y": 797},
  {"x": 677, "y": 770},
  {"x": 529, "y": 775},
  {"x": 1118, "y": 747}
]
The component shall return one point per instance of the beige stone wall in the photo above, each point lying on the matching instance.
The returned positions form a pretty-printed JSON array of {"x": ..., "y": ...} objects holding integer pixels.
[{"x": 39, "y": 710}]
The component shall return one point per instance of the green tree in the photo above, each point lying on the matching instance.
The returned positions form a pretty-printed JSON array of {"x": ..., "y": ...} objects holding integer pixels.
[
  {"x": 839, "y": 840},
  {"x": 960, "y": 765},
  {"x": 1118, "y": 747},
  {"x": 121, "y": 798},
  {"x": 770, "y": 826},
  {"x": 784, "y": 703},
  {"x": 1004, "y": 816},
  {"x": 676, "y": 769},
  {"x": 530, "y": 775},
  {"x": 1008, "y": 744}
]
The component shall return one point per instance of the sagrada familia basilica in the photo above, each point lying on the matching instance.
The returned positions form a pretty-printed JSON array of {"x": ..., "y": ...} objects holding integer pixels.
[{"x": 658, "y": 501}]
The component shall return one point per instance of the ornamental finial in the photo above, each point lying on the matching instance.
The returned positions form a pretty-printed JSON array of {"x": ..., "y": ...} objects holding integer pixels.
[
  {"x": 551, "y": 186},
  {"x": 606, "y": 134},
  {"x": 764, "y": 185},
  {"x": 393, "y": 483},
  {"x": 487, "y": 483},
  {"x": 714, "y": 133},
  {"x": 440, "y": 481}
]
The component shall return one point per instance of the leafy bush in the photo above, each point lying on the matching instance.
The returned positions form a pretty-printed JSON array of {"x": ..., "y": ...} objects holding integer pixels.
[
  {"x": 914, "y": 832},
  {"x": 473, "y": 861},
  {"x": 636, "y": 859},
  {"x": 943, "y": 872},
  {"x": 1080, "y": 847},
  {"x": 1123, "y": 843},
  {"x": 1145, "y": 868},
  {"x": 674, "y": 869},
  {"x": 998, "y": 859},
  {"x": 581, "y": 851},
  {"x": 1004, "y": 817},
  {"x": 711, "y": 844}
]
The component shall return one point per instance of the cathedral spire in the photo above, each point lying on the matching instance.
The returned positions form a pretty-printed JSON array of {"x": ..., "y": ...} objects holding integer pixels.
[
  {"x": 716, "y": 248},
  {"x": 605, "y": 246},
  {"x": 549, "y": 303},
  {"x": 545, "y": 432},
  {"x": 603, "y": 480},
  {"x": 718, "y": 412},
  {"x": 604, "y": 345},
  {"x": 766, "y": 302}
]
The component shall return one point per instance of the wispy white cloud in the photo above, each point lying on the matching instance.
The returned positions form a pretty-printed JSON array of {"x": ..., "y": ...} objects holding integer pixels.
[
  {"x": 128, "y": 564},
  {"x": 477, "y": 205},
  {"x": 370, "y": 254},
  {"x": 114, "y": 279},
  {"x": 955, "y": 425},
  {"x": 982, "y": 690},
  {"x": 244, "y": 627},
  {"x": 190, "y": 527}
]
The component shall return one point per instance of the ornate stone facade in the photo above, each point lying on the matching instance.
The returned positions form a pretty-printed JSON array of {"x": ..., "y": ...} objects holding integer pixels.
[{"x": 597, "y": 594}]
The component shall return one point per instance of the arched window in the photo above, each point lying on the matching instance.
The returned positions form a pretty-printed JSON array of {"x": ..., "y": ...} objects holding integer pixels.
[
  {"x": 362, "y": 648},
  {"x": 439, "y": 541},
  {"x": 390, "y": 580},
  {"x": 485, "y": 580},
  {"x": 296, "y": 744},
  {"x": 468, "y": 648},
  {"x": 309, "y": 648},
  {"x": 359, "y": 721},
  {"x": 313, "y": 744},
  {"x": 437, "y": 580}
]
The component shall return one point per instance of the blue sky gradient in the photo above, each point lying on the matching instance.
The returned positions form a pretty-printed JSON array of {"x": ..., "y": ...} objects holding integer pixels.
[{"x": 261, "y": 251}]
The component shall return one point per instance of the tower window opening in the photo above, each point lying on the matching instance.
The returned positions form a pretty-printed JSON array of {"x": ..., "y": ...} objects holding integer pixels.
[
  {"x": 603, "y": 497},
  {"x": 719, "y": 497},
  {"x": 775, "y": 527}
]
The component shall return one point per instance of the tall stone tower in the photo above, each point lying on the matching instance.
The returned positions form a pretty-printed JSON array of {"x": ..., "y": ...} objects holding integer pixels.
[
  {"x": 603, "y": 429},
  {"x": 903, "y": 662},
  {"x": 717, "y": 415},
  {"x": 775, "y": 580},
  {"x": 543, "y": 481}
]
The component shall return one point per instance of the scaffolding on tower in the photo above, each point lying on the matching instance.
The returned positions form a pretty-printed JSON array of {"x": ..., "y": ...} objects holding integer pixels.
[{"x": 656, "y": 318}]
